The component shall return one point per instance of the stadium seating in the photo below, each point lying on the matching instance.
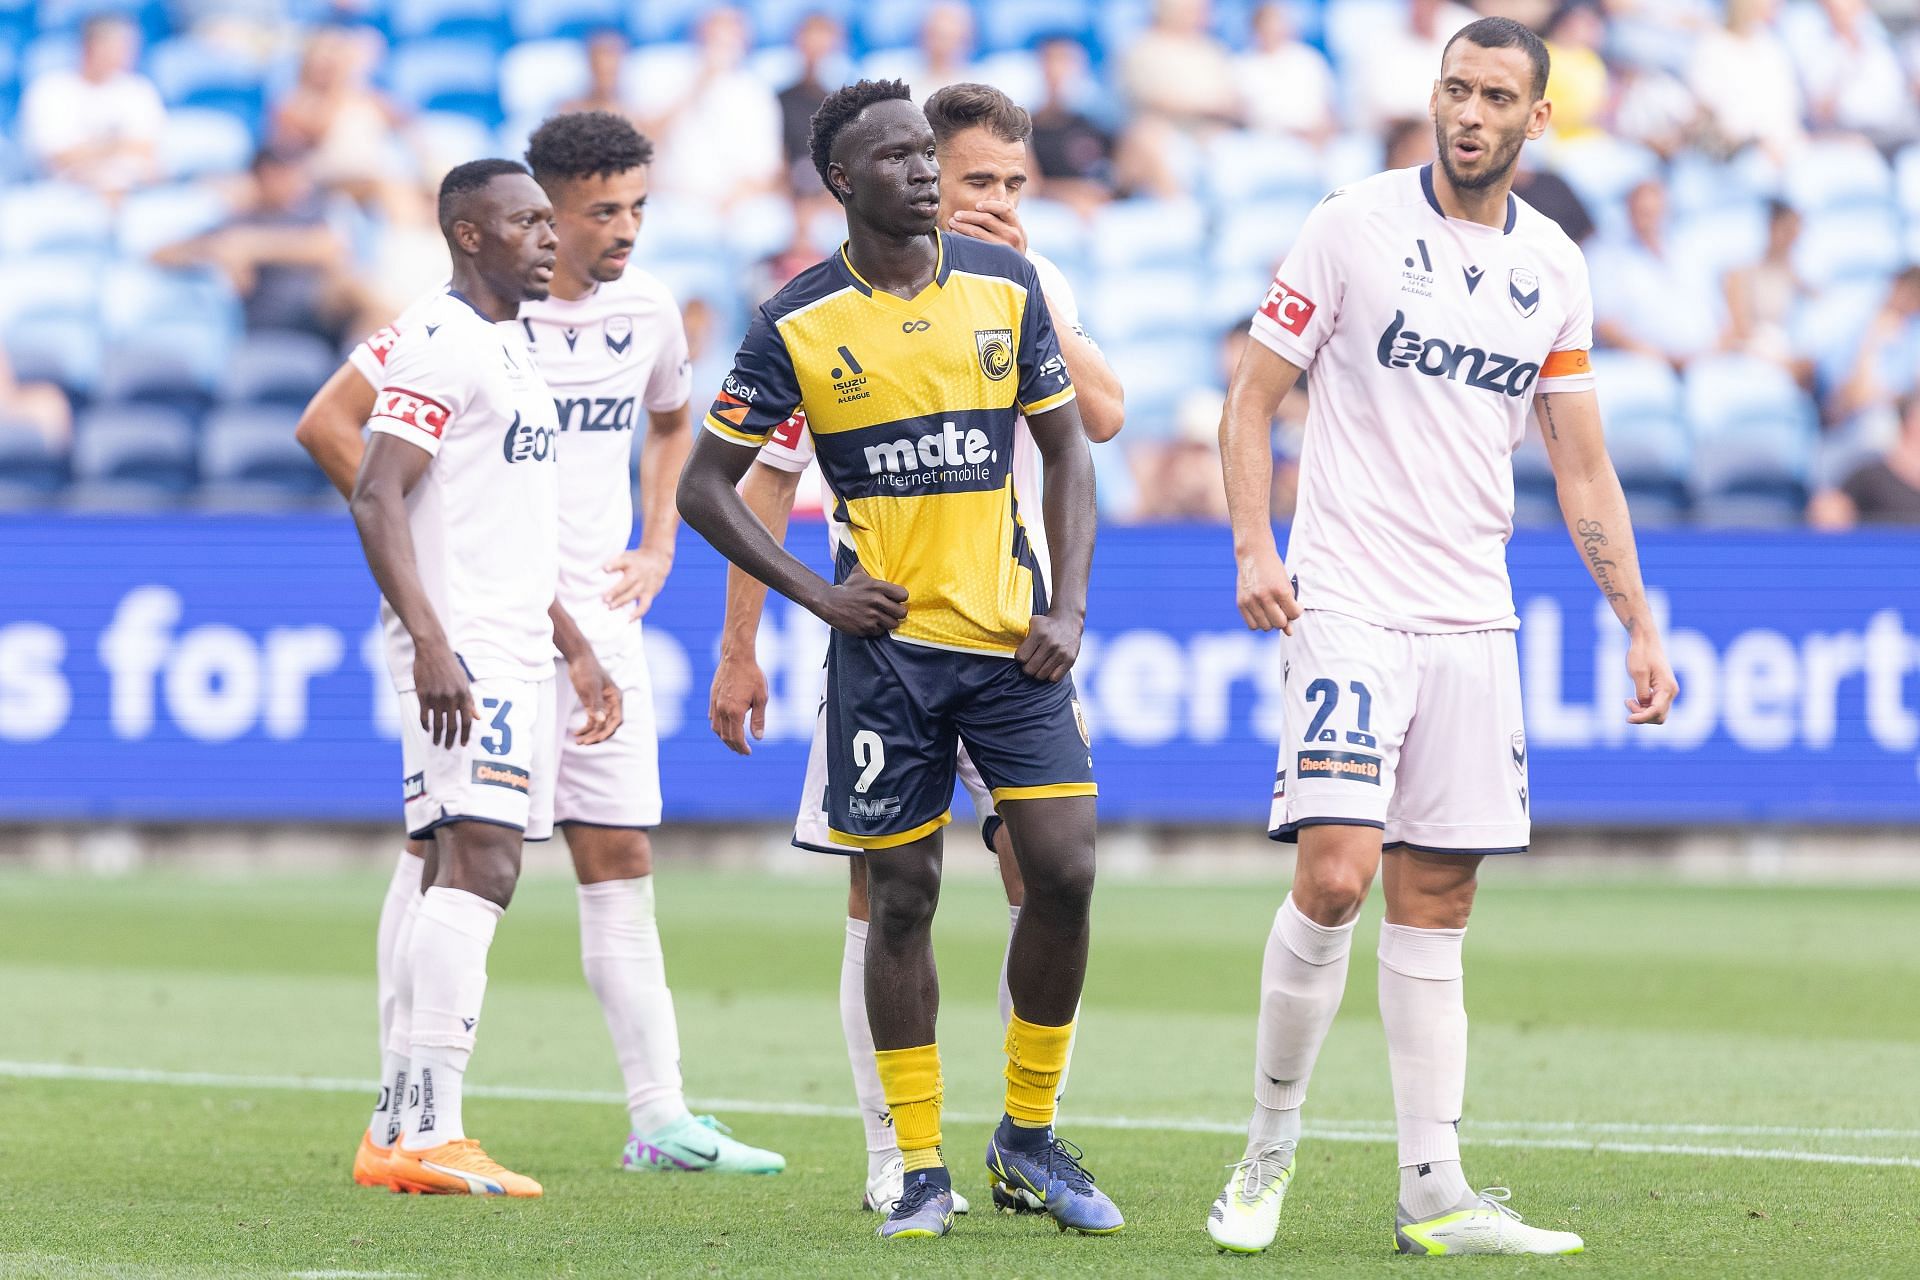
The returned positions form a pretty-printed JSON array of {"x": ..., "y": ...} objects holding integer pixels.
[
  {"x": 1834, "y": 175},
  {"x": 470, "y": 20},
  {"x": 252, "y": 447},
  {"x": 538, "y": 75},
  {"x": 31, "y": 469},
  {"x": 153, "y": 218},
  {"x": 1647, "y": 435},
  {"x": 41, "y": 216},
  {"x": 1754, "y": 435},
  {"x": 446, "y": 74},
  {"x": 190, "y": 72},
  {"x": 277, "y": 367},
  {"x": 562, "y": 19},
  {"x": 145, "y": 448},
  {"x": 200, "y": 141},
  {"x": 1132, "y": 234}
]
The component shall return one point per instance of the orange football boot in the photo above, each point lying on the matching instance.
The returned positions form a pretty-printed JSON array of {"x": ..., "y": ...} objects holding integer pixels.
[
  {"x": 457, "y": 1168},
  {"x": 371, "y": 1164}
]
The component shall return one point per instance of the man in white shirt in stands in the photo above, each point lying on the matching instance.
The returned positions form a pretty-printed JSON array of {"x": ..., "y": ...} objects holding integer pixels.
[
  {"x": 1433, "y": 309},
  {"x": 98, "y": 124}
]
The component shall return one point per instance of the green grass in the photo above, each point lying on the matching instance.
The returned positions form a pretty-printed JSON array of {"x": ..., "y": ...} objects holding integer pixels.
[{"x": 1762, "y": 1015}]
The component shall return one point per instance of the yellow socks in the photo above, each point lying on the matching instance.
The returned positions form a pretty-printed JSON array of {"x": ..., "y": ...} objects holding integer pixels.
[
  {"x": 910, "y": 1078},
  {"x": 1036, "y": 1056}
]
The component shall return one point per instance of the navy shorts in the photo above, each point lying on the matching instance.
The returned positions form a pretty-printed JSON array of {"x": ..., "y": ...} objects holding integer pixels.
[{"x": 896, "y": 713}]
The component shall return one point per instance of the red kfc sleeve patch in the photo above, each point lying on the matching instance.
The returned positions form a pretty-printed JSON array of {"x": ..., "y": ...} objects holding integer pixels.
[
  {"x": 1287, "y": 307},
  {"x": 787, "y": 434},
  {"x": 423, "y": 413},
  {"x": 381, "y": 343}
]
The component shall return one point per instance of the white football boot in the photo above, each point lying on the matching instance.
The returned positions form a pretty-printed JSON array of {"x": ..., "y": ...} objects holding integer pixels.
[
  {"x": 1247, "y": 1214},
  {"x": 1480, "y": 1223},
  {"x": 884, "y": 1188}
]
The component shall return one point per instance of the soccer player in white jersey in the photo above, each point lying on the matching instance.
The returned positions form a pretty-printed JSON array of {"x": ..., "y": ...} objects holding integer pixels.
[
  {"x": 610, "y": 344},
  {"x": 457, "y": 505},
  {"x": 981, "y": 136},
  {"x": 1431, "y": 310}
]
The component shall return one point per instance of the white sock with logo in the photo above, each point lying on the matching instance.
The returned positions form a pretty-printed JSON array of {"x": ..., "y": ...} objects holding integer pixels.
[
  {"x": 874, "y": 1116},
  {"x": 451, "y": 935},
  {"x": 1006, "y": 1008},
  {"x": 1423, "y": 1005},
  {"x": 620, "y": 951},
  {"x": 1302, "y": 978},
  {"x": 395, "y": 978}
]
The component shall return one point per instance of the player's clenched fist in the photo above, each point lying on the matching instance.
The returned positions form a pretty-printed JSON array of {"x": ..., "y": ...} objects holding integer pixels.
[
  {"x": 1265, "y": 593},
  {"x": 1050, "y": 648},
  {"x": 864, "y": 606},
  {"x": 440, "y": 685},
  {"x": 1654, "y": 686}
]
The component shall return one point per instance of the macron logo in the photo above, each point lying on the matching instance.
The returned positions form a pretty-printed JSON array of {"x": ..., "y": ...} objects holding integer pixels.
[{"x": 950, "y": 448}]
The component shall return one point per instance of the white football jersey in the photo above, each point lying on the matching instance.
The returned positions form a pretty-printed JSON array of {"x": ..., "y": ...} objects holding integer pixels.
[
  {"x": 1425, "y": 339},
  {"x": 610, "y": 358},
  {"x": 790, "y": 448},
  {"x": 485, "y": 516}
]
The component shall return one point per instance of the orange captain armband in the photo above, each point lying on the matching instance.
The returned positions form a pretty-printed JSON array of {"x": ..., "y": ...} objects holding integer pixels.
[{"x": 1566, "y": 364}]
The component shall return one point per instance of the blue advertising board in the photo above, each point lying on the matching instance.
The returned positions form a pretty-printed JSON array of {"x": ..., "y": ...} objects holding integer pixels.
[{"x": 228, "y": 668}]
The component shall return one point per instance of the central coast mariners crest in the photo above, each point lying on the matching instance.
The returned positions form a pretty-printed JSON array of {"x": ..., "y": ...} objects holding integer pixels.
[{"x": 996, "y": 352}]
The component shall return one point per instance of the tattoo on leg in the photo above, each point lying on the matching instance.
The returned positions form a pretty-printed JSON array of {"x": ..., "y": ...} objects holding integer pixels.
[{"x": 1593, "y": 537}]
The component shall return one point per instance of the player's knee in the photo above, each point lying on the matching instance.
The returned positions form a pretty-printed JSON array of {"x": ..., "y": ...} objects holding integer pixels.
[
  {"x": 1064, "y": 881},
  {"x": 902, "y": 893},
  {"x": 483, "y": 861},
  {"x": 1331, "y": 894}
]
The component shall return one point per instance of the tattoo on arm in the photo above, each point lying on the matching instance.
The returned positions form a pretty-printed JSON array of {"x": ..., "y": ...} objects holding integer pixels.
[
  {"x": 1546, "y": 407},
  {"x": 1593, "y": 538}
]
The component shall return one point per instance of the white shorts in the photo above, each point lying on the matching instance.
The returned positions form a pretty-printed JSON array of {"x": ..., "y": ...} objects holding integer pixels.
[
  {"x": 1419, "y": 735},
  {"x": 615, "y": 783},
  {"x": 503, "y": 775},
  {"x": 810, "y": 827}
]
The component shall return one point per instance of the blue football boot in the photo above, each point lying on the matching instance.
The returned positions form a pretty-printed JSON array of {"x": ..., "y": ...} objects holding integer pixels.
[{"x": 1051, "y": 1174}]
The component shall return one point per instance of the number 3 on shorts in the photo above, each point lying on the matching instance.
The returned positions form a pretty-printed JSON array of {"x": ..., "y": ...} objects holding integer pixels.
[{"x": 869, "y": 756}]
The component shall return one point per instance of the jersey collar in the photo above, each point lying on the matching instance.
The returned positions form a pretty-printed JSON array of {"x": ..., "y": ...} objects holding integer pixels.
[
  {"x": 461, "y": 297},
  {"x": 1426, "y": 189},
  {"x": 942, "y": 268}
]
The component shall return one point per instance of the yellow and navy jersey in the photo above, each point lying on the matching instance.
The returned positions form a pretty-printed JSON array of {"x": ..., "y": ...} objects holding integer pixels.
[{"x": 912, "y": 404}]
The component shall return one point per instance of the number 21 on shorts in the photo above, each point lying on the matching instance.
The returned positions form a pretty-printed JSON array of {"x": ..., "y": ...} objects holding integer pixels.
[{"x": 1327, "y": 693}]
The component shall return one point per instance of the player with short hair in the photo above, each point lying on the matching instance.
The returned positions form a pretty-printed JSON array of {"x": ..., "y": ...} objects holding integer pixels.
[
  {"x": 457, "y": 505},
  {"x": 913, "y": 350},
  {"x": 611, "y": 346},
  {"x": 980, "y": 136},
  {"x": 1432, "y": 309}
]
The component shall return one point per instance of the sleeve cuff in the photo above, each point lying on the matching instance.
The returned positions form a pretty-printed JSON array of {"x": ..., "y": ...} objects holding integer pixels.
[
  {"x": 733, "y": 436},
  {"x": 425, "y": 441},
  {"x": 1279, "y": 341},
  {"x": 1051, "y": 402}
]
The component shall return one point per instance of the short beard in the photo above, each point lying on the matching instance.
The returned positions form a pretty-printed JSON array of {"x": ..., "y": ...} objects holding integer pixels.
[{"x": 1499, "y": 171}]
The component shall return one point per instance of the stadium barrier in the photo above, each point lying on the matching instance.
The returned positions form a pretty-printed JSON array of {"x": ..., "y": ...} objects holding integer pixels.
[{"x": 210, "y": 668}]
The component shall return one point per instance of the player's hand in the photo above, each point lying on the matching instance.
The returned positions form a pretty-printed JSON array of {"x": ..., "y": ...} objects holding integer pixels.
[
  {"x": 642, "y": 572},
  {"x": 994, "y": 220},
  {"x": 1050, "y": 648},
  {"x": 1654, "y": 687},
  {"x": 739, "y": 691},
  {"x": 1265, "y": 592},
  {"x": 440, "y": 684},
  {"x": 599, "y": 696},
  {"x": 864, "y": 606}
]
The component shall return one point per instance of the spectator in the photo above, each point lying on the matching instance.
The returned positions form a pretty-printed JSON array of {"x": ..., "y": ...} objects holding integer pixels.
[
  {"x": 1578, "y": 84},
  {"x": 1177, "y": 72},
  {"x": 1653, "y": 108},
  {"x": 99, "y": 124},
  {"x": 1852, "y": 75},
  {"x": 1394, "y": 81},
  {"x": 39, "y": 405},
  {"x": 818, "y": 39},
  {"x": 1181, "y": 479},
  {"x": 1646, "y": 298},
  {"x": 1763, "y": 296},
  {"x": 1409, "y": 144},
  {"x": 1884, "y": 368},
  {"x": 334, "y": 119},
  {"x": 718, "y": 134},
  {"x": 943, "y": 56},
  {"x": 606, "y": 59},
  {"x": 1884, "y": 491},
  {"x": 1550, "y": 194},
  {"x": 1744, "y": 79},
  {"x": 288, "y": 266},
  {"x": 1073, "y": 153},
  {"x": 1286, "y": 86}
]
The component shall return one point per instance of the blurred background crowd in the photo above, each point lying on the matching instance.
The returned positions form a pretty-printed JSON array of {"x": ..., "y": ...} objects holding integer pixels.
[{"x": 203, "y": 202}]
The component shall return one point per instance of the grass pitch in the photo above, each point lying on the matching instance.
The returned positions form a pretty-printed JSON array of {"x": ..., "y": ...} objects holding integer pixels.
[{"x": 1702, "y": 1081}]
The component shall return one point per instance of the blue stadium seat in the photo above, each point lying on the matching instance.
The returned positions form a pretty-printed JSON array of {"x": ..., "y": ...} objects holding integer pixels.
[
  {"x": 49, "y": 51},
  {"x": 1716, "y": 240},
  {"x": 1352, "y": 25},
  {"x": 1161, "y": 303},
  {"x": 652, "y": 21},
  {"x": 448, "y": 75},
  {"x": 1906, "y": 180},
  {"x": 1242, "y": 165},
  {"x": 1254, "y": 237},
  {"x": 1828, "y": 328},
  {"x": 42, "y": 216},
  {"x": 1137, "y": 233},
  {"x": 1056, "y": 230},
  {"x": 177, "y": 366},
  {"x": 657, "y": 74},
  {"x": 254, "y": 444},
  {"x": 538, "y": 75},
  {"x": 888, "y": 24},
  {"x": 1156, "y": 373},
  {"x": 759, "y": 227},
  {"x": 774, "y": 21},
  {"x": 142, "y": 446},
  {"x": 1017, "y": 24},
  {"x": 49, "y": 285},
  {"x": 1849, "y": 243},
  {"x": 1646, "y": 435},
  {"x": 1602, "y": 169},
  {"x": 154, "y": 217},
  {"x": 472, "y": 20},
  {"x": 1753, "y": 441},
  {"x": 190, "y": 72},
  {"x": 277, "y": 367},
  {"x": 198, "y": 142},
  {"x": 563, "y": 19},
  {"x": 31, "y": 469},
  {"x": 136, "y": 298},
  {"x": 64, "y": 350},
  {"x": 444, "y": 139},
  {"x": 1831, "y": 174}
]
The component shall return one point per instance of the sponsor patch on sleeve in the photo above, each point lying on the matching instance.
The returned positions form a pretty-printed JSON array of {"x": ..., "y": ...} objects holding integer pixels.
[
  {"x": 421, "y": 412},
  {"x": 380, "y": 343},
  {"x": 1566, "y": 364},
  {"x": 1352, "y": 766},
  {"x": 787, "y": 434},
  {"x": 1287, "y": 307},
  {"x": 488, "y": 774}
]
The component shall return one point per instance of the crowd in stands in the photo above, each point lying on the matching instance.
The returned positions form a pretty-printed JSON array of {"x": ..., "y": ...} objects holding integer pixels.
[{"x": 202, "y": 202}]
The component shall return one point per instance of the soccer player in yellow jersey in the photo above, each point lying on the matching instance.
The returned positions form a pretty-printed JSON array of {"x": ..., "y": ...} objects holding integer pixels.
[{"x": 913, "y": 352}]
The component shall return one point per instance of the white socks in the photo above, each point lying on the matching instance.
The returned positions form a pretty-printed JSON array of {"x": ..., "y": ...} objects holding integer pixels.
[
  {"x": 1423, "y": 1005},
  {"x": 1301, "y": 982},
  {"x": 451, "y": 935},
  {"x": 874, "y": 1116},
  {"x": 620, "y": 951},
  {"x": 396, "y": 996}
]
